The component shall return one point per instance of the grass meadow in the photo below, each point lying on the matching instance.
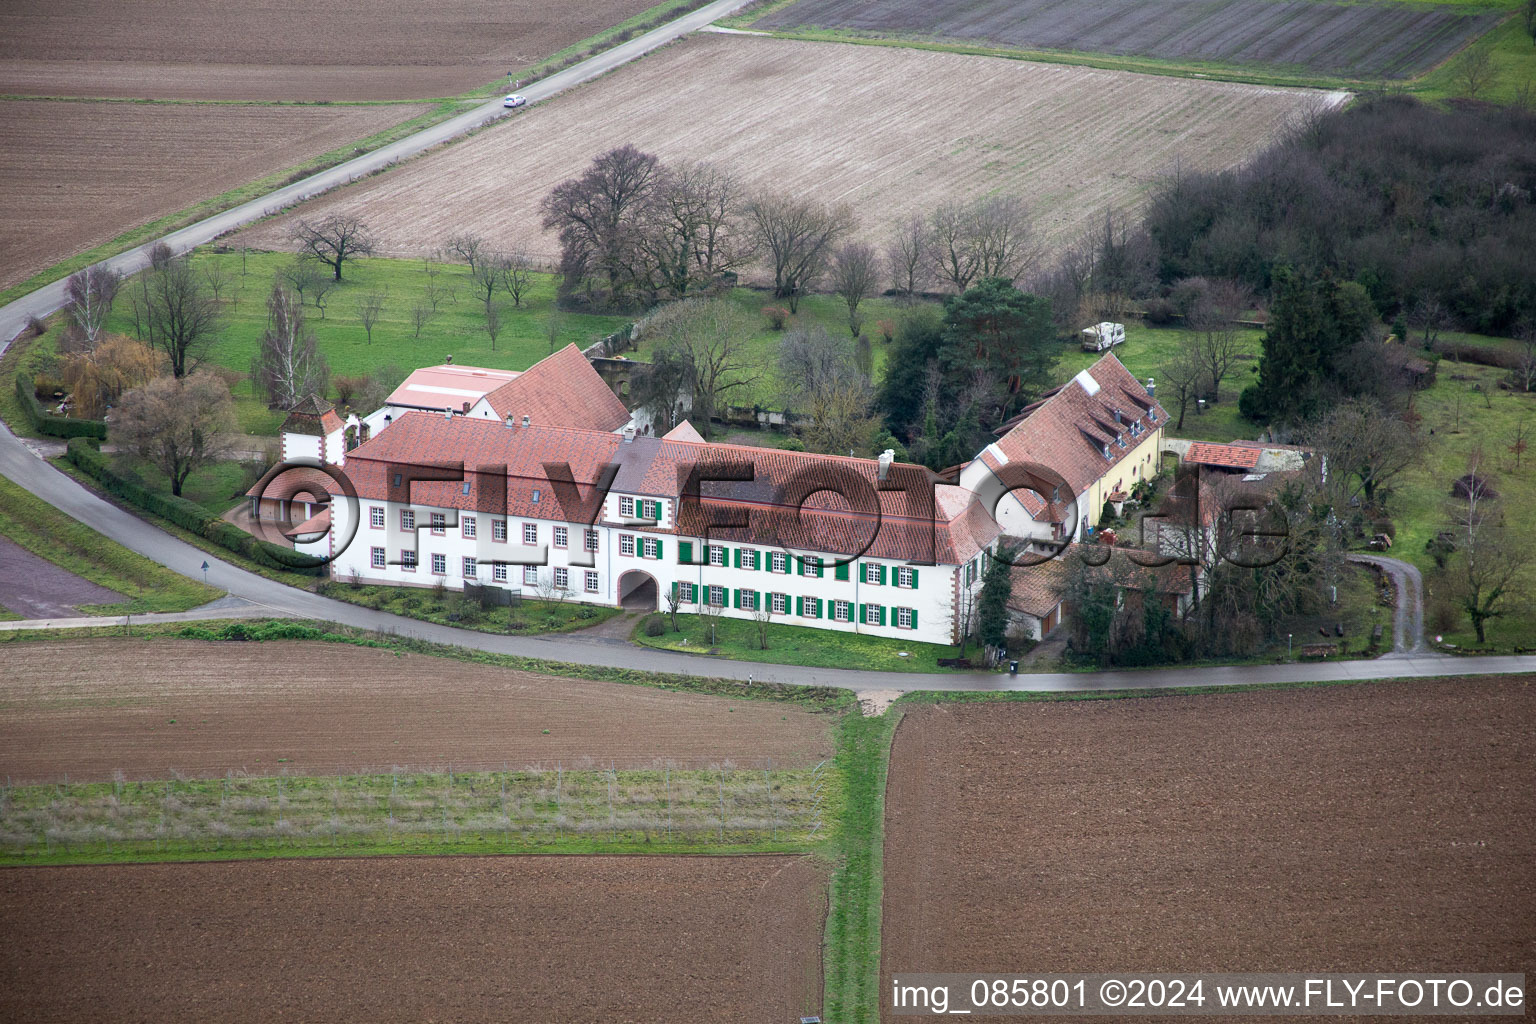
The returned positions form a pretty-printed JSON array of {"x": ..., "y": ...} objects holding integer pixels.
[{"x": 737, "y": 640}]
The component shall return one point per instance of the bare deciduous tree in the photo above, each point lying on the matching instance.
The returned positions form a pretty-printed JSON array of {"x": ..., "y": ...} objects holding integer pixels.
[
  {"x": 518, "y": 277},
  {"x": 952, "y": 237},
  {"x": 1475, "y": 70},
  {"x": 1180, "y": 379},
  {"x": 797, "y": 236},
  {"x": 217, "y": 278},
  {"x": 369, "y": 308},
  {"x": 176, "y": 424},
  {"x": 907, "y": 255},
  {"x": 182, "y": 318},
  {"x": 554, "y": 323},
  {"x": 421, "y": 315},
  {"x": 692, "y": 231},
  {"x": 707, "y": 336},
  {"x": 300, "y": 276},
  {"x": 1430, "y": 317},
  {"x": 600, "y": 220},
  {"x": 467, "y": 247},
  {"x": 288, "y": 365},
  {"x": 762, "y": 617},
  {"x": 855, "y": 274},
  {"x": 492, "y": 322},
  {"x": 88, "y": 302},
  {"x": 333, "y": 240},
  {"x": 1367, "y": 446},
  {"x": 1211, "y": 309},
  {"x": 1491, "y": 562}
]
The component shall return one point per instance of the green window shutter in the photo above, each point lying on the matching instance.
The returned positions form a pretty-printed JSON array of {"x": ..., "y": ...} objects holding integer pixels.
[
  {"x": 799, "y": 606},
  {"x": 818, "y": 607},
  {"x": 914, "y": 618},
  {"x": 736, "y": 599},
  {"x": 676, "y": 591},
  {"x": 757, "y": 560},
  {"x": 914, "y": 587},
  {"x": 861, "y": 613},
  {"x": 799, "y": 565},
  {"x": 661, "y": 549},
  {"x": 841, "y": 572},
  {"x": 881, "y": 612},
  {"x": 736, "y": 557},
  {"x": 685, "y": 552},
  {"x": 882, "y": 569}
]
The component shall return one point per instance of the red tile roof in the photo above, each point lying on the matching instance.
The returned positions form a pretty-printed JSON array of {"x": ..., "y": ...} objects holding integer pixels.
[
  {"x": 313, "y": 416},
  {"x": 1226, "y": 455},
  {"x": 1068, "y": 430},
  {"x": 1039, "y": 588},
  {"x": 296, "y": 481},
  {"x": 560, "y": 390},
  {"x": 317, "y": 523},
  {"x": 790, "y": 499}
]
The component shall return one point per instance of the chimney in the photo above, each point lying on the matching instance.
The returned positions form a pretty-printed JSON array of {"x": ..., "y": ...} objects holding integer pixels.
[
  {"x": 1151, "y": 388},
  {"x": 526, "y": 420},
  {"x": 466, "y": 408},
  {"x": 447, "y": 414},
  {"x": 629, "y": 434},
  {"x": 886, "y": 458},
  {"x": 510, "y": 421}
]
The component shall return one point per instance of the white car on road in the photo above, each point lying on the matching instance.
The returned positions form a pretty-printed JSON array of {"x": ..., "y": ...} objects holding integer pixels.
[{"x": 514, "y": 100}]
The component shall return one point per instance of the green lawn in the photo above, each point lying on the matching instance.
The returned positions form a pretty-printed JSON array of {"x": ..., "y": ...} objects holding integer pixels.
[
  {"x": 736, "y": 639},
  {"x": 761, "y": 350},
  {"x": 45, "y": 531},
  {"x": 457, "y": 329},
  {"x": 448, "y": 607}
]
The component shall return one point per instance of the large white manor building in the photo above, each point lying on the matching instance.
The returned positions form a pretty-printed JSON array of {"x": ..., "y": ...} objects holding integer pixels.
[{"x": 539, "y": 482}]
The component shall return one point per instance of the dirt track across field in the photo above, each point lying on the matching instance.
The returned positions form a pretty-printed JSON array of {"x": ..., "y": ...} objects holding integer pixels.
[
  {"x": 89, "y": 708},
  {"x": 416, "y": 939},
  {"x": 286, "y": 49},
  {"x": 75, "y": 175},
  {"x": 35, "y": 588},
  {"x": 1374, "y": 827},
  {"x": 893, "y": 132}
]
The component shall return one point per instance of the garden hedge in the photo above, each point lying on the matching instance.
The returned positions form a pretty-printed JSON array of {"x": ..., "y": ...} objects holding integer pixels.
[
  {"x": 189, "y": 515},
  {"x": 45, "y": 422}
]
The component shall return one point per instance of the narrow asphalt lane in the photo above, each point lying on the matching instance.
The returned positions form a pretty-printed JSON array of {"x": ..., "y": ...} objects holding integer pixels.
[
  {"x": 266, "y": 597},
  {"x": 43, "y": 301}
]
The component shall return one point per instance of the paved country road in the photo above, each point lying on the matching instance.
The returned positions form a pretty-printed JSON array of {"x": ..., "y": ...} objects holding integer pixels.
[
  {"x": 43, "y": 301},
  {"x": 252, "y": 595}
]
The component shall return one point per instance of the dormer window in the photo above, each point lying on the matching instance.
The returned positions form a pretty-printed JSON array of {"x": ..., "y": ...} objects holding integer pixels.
[
  {"x": 1152, "y": 415},
  {"x": 1106, "y": 451},
  {"x": 1121, "y": 440}
]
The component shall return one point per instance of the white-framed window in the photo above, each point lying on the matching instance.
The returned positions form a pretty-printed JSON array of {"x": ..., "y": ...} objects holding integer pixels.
[
  {"x": 591, "y": 582},
  {"x": 439, "y": 565},
  {"x": 591, "y": 540},
  {"x": 407, "y": 560},
  {"x": 871, "y": 574},
  {"x": 841, "y": 611},
  {"x": 531, "y": 575},
  {"x": 530, "y": 533},
  {"x": 871, "y": 615},
  {"x": 562, "y": 537},
  {"x": 778, "y": 604},
  {"x": 376, "y": 557},
  {"x": 650, "y": 547},
  {"x": 749, "y": 600},
  {"x": 407, "y": 519},
  {"x": 626, "y": 508},
  {"x": 439, "y": 523},
  {"x": 778, "y": 561},
  {"x": 650, "y": 510},
  {"x": 717, "y": 596},
  {"x": 813, "y": 567},
  {"x": 471, "y": 568},
  {"x": 626, "y": 544},
  {"x": 716, "y": 554},
  {"x": 562, "y": 577},
  {"x": 467, "y": 526},
  {"x": 499, "y": 530},
  {"x": 904, "y": 577},
  {"x": 499, "y": 572},
  {"x": 904, "y": 619},
  {"x": 376, "y": 517}
]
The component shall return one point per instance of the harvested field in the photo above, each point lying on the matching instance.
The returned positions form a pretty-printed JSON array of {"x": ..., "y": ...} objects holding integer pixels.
[
  {"x": 75, "y": 175},
  {"x": 360, "y": 49},
  {"x": 35, "y": 588},
  {"x": 1356, "y": 40},
  {"x": 416, "y": 939},
  {"x": 819, "y": 119},
  {"x": 90, "y": 708},
  {"x": 1386, "y": 826}
]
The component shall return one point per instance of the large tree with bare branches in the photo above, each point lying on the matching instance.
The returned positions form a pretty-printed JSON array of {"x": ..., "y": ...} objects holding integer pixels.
[
  {"x": 176, "y": 424},
  {"x": 797, "y": 236},
  {"x": 333, "y": 240}
]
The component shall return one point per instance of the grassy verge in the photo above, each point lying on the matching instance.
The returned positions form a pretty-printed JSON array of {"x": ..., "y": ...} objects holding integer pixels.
[
  {"x": 45, "y": 531},
  {"x": 293, "y": 579},
  {"x": 450, "y": 608},
  {"x": 532, "y": 810},
  {"x": 205, "y": 208},
  {"x": 16, "y": 357},
  {"x": 737, "y": 640},
  {"x": 851, "y": 961}
]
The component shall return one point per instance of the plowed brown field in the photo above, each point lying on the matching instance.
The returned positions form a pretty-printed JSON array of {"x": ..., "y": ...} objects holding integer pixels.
[
  {"x": 74, "y": 175},
  {"x": 1377, "y": 827},
  {"x": 89, "y": 708},
  {"x": 542, "y": 939},
  {"x": 285, "y": 49},
  {"x": 892, "y": 131}
]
